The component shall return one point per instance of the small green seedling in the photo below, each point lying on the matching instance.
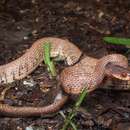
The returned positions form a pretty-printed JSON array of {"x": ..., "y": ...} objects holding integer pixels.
[
  {"x": 68, "y": 120},
  {"x": 73, "y": 125},
  {"x": 47, "y": 59}
]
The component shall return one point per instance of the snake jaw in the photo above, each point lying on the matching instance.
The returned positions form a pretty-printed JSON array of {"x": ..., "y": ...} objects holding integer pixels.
[
  {"x": 118, "y": 72},
  {"x": 125, "y": 78}
]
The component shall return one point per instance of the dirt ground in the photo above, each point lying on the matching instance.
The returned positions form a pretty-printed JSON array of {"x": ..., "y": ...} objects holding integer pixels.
[{"x": 85, "y": 23}]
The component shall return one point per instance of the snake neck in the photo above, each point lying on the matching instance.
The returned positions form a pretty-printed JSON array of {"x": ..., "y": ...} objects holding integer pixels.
[{"x": 99, "y": 72}]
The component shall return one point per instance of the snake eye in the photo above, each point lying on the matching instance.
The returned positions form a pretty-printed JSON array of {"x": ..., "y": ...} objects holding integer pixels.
[{"x": 124, "y": 74}]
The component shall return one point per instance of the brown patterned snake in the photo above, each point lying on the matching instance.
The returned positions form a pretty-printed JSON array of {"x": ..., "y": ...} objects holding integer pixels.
[
  {"x": 24, "y": 65},
  {"x": 88, "y": 72}
]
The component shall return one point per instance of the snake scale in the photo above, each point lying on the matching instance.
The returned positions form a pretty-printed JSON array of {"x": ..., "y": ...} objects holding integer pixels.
[{"x": 88, "y": 72}]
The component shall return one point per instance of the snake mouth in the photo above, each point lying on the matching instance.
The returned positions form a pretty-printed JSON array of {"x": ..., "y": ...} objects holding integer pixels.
[{"x": 118, "y": 72}]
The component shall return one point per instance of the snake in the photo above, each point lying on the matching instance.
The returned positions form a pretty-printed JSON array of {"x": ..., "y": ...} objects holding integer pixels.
[
  {"x": 88, "y": 72},
  {"x": 21, "y": 67}
]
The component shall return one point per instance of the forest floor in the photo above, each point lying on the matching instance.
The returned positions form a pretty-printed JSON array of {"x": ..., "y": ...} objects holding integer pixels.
[{"x": 85, "y": 23}]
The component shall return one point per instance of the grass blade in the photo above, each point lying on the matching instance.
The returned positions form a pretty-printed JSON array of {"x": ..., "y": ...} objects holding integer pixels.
[
  {"x": 118, "y": 41},
  {"x": 71, "y": 115},
  {"x": 47, "y": 59}
]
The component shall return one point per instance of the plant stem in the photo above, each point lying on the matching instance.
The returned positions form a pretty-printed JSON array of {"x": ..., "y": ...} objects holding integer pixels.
[
  {"x": 47, "y": 59},
  {"x": 74, "y": 110}
]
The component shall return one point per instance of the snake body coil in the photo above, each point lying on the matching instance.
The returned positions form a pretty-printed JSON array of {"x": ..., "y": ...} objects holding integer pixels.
[
  {"x": 24, "y": 65},
  {"x": 89, "y": 72}
]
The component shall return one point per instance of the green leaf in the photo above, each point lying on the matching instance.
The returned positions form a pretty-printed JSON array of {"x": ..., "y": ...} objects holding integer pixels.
[
  {"x": 46, "y": 47},
  {"x": 81, "y": 98},
  {"x": 47, "y": 58},
  {"x": 52, "y": 68},
  {"x": 118, "y": 41}
]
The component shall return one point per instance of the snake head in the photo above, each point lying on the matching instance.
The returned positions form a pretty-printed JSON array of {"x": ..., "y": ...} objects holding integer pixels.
[{"x": 118, "y": 72}]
